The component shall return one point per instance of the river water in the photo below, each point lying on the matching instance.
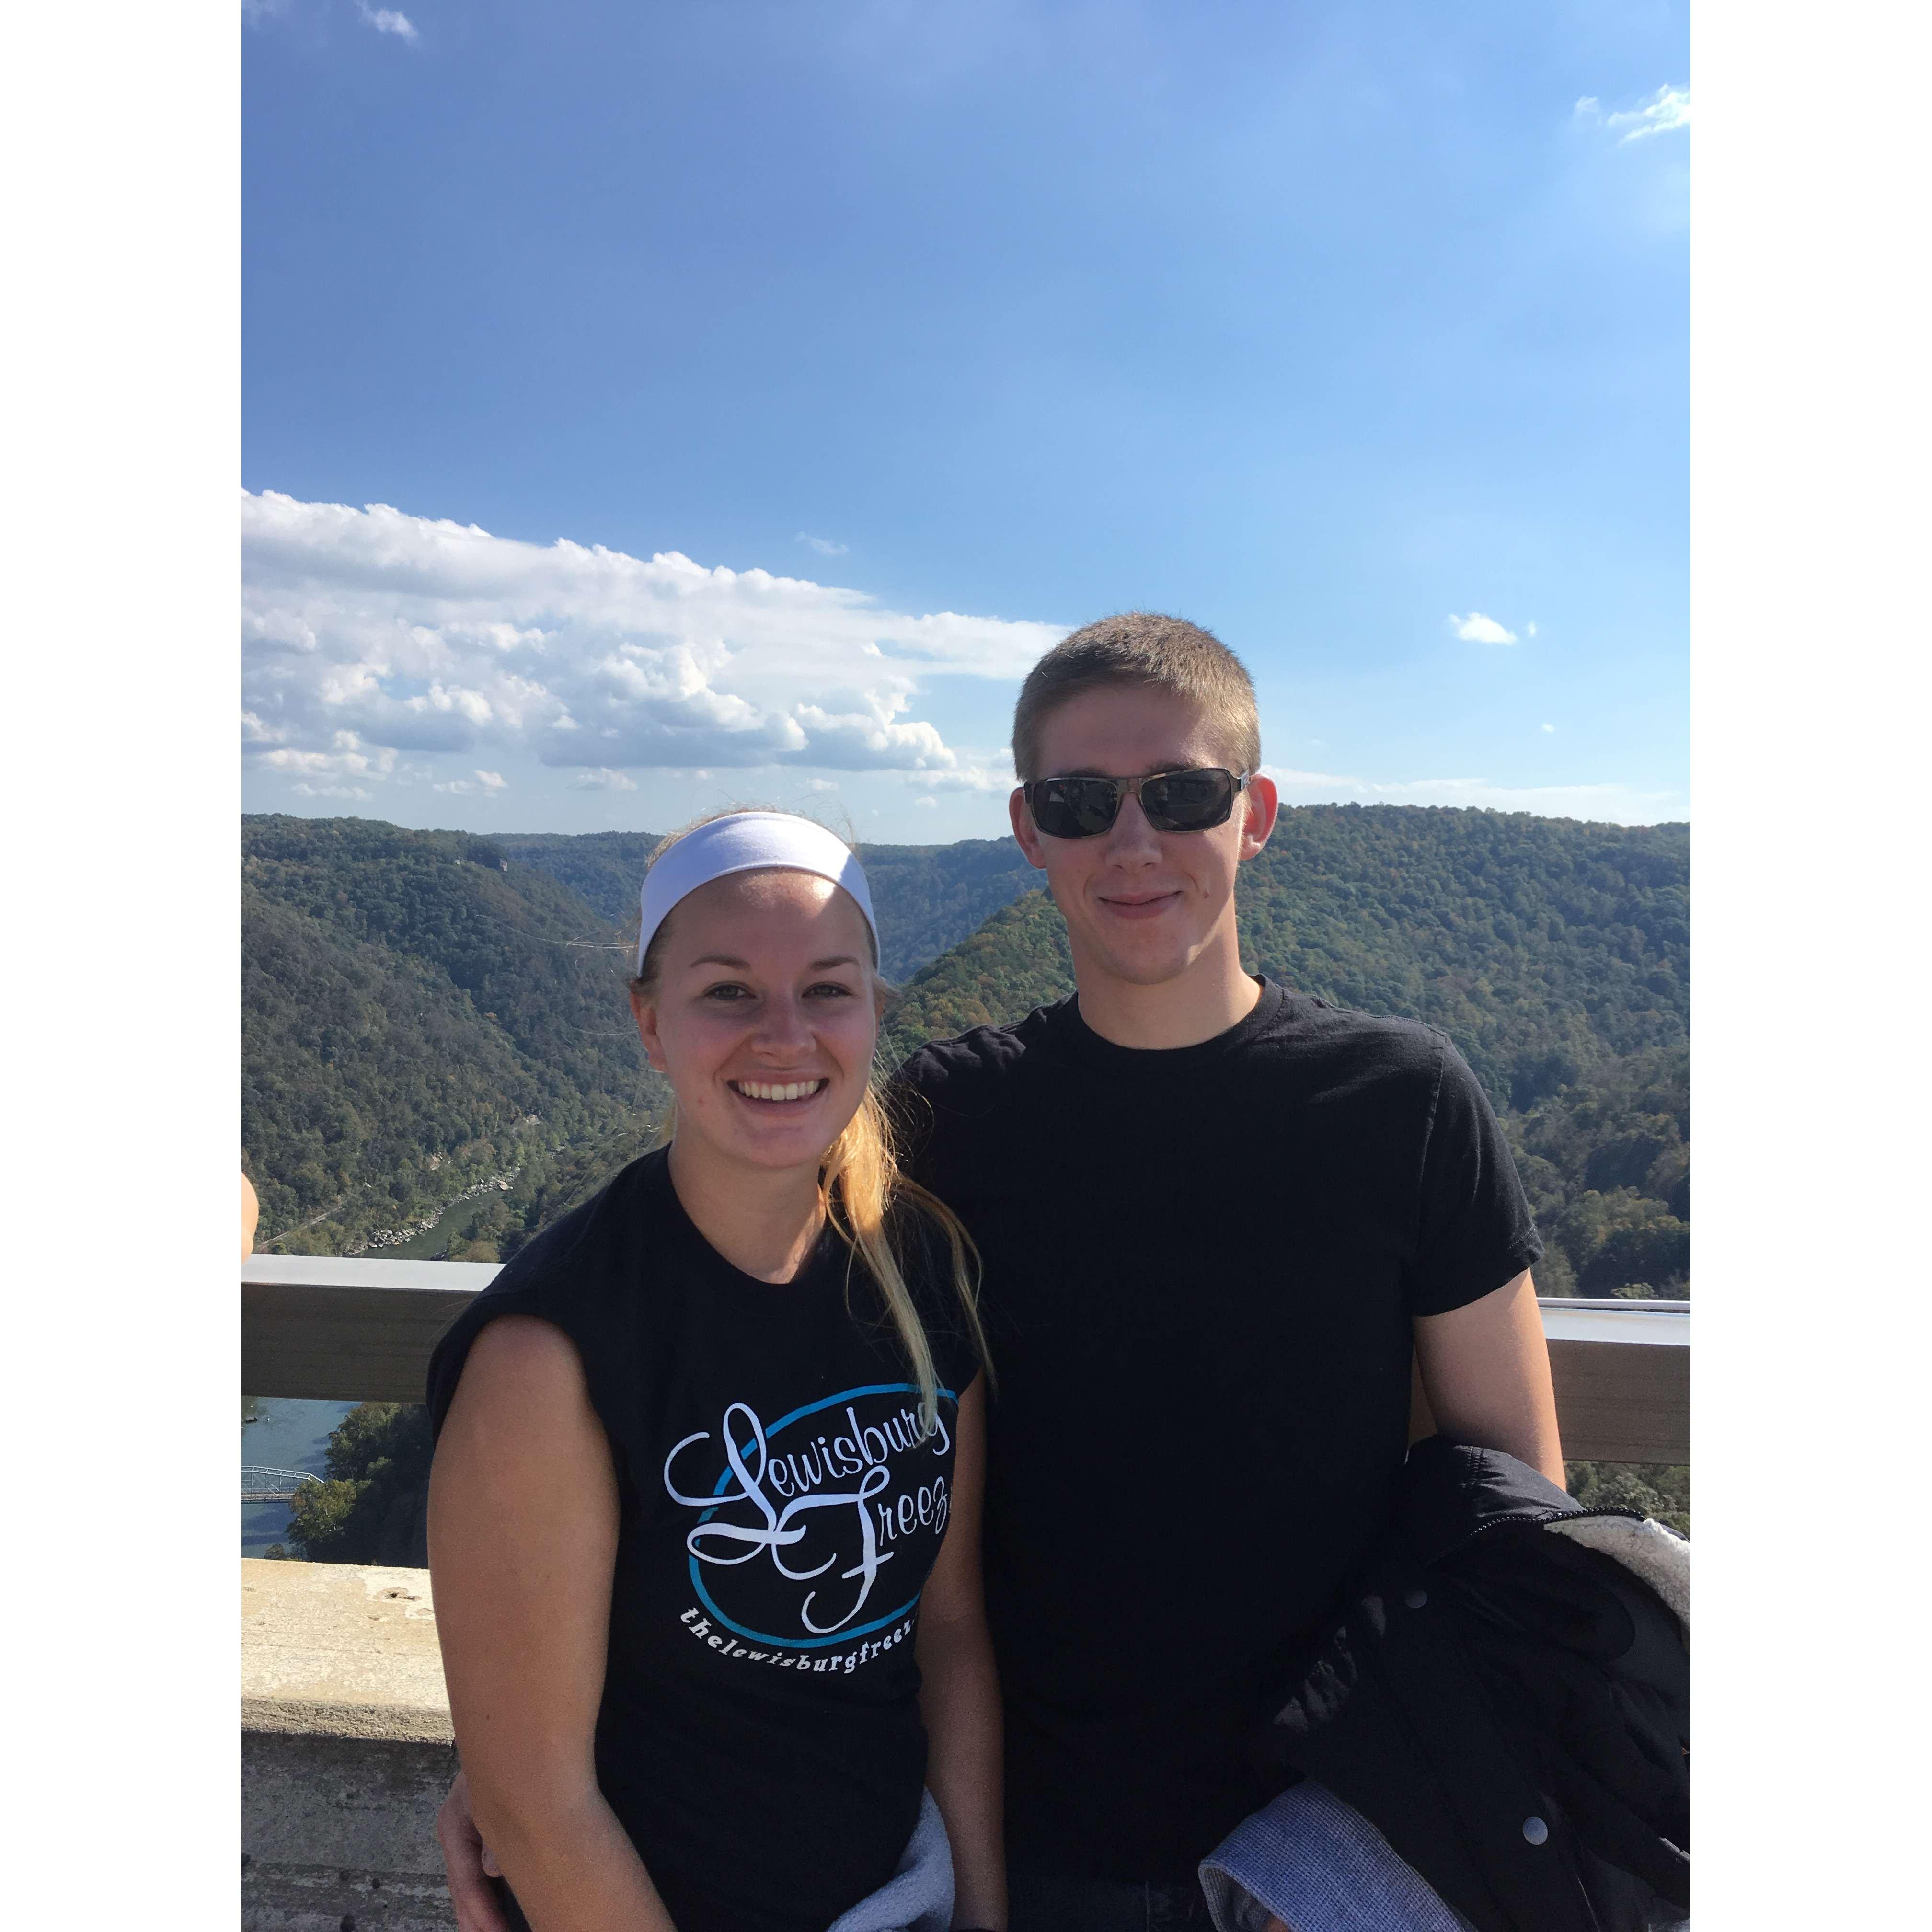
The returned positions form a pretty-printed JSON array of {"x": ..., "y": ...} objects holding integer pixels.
[{"x": 288, "y": 1435}]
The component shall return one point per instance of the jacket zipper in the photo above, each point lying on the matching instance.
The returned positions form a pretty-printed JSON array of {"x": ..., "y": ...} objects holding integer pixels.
[{"x": 1542, "y": 1521}]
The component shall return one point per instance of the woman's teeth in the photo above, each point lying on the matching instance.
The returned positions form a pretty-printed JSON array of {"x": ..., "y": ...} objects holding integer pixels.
[{"x": 797, "y": 1090}]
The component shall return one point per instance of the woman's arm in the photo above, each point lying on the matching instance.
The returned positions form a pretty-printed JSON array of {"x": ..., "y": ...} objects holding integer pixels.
[
  {"x": 959, "y": 1694},
  {"x": 522, "y": 1537},
  {"x": 1485, "y": 1370}
]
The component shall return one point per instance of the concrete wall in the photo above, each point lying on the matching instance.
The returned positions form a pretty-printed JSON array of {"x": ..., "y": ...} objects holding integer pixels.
[{"x": 346, "y": 1750}]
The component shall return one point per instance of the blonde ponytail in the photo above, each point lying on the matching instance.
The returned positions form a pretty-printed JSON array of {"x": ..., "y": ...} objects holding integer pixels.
[{"x": 859, "y": 1183}]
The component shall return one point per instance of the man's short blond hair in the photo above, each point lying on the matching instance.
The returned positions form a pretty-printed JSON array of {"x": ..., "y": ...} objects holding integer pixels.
[{"x": 1144, "y": 648}]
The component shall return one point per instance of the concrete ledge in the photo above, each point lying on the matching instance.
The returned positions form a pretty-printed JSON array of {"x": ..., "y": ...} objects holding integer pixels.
[
  {"x": 338, "y": 1650},
  {"x": 346, "y": 1750}
]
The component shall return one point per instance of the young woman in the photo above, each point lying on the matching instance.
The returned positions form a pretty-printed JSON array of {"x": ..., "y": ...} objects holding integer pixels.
[{"x": 704, "y": 1518}]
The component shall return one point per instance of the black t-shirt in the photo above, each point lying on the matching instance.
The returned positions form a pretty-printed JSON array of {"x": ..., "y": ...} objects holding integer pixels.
[
  {"x": 759, "y": 1737},
  {"x": 1200, "y": 1266}
]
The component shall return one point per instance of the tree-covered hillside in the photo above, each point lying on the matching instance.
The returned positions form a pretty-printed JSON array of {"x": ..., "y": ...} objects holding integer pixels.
[
  {"x": 927, "y": 897},
  {"x": 422, "y": 1019},
  {"x": 1556, "y": 955},
  {"x": 428, "y": 1015}
]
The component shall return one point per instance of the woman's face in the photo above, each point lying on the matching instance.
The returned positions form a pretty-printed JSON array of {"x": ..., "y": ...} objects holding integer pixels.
[{"x": 764, "y": 1018}]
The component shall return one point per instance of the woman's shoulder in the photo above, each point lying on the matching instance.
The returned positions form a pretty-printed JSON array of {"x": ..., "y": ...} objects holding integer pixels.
[{"x": 524, "y": 1352}]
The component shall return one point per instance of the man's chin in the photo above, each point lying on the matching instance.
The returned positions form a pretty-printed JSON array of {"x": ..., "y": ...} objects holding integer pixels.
[{"x": 1150, "y": 966}]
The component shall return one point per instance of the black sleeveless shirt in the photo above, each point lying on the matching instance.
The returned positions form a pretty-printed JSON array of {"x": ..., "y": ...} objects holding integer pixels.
[{"x": 759, "y": 1737}]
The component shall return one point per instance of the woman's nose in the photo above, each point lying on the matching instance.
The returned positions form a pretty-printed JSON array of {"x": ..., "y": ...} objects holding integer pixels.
[{"x": 783, "y": 1025}]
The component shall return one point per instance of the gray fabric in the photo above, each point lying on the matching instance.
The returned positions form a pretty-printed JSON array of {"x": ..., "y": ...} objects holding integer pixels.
[
  {"x": 1319, "y": 1866},
  {"x": 919, "y": 1897}
]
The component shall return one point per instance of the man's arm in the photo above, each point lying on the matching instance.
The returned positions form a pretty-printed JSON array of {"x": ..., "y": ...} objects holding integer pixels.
[
  {"x": 1485, "y": 1370},
  {"x": 523, "y": 1536},
  {"x": 959, "y": 1694}
]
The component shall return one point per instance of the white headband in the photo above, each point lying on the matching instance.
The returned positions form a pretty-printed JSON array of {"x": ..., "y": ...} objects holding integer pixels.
[{"x": 749, "y": 842}]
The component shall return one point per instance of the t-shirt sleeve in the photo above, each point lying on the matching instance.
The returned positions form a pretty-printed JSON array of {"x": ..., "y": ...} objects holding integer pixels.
[
  {"x": 452, "y": 1352},
  {"x": 1475, "y": 1231},
  {"x": 555, "y": 1278}
]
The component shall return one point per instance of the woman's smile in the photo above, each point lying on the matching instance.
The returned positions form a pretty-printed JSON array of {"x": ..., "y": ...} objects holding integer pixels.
[{"x": 784, "y": 1094}]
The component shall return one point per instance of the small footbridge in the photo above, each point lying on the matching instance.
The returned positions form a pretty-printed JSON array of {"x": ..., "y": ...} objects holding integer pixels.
[{"x": 274, "y": 1486}]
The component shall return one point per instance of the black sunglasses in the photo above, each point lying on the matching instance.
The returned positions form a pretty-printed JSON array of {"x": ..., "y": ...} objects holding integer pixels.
[{"x": 1083, "y": 807}]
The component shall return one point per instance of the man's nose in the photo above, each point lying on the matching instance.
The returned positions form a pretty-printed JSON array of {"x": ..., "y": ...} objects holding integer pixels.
[{"x": 1131, "y": 840}]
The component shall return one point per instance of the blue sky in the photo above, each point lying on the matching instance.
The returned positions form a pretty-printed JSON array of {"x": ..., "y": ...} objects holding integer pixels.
[{"x": 904, "y": 337}]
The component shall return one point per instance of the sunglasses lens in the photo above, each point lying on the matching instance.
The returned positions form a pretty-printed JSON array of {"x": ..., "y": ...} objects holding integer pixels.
[
  {"x": 1074, "y": 807},
  {"x": 1188, "y": 801}
]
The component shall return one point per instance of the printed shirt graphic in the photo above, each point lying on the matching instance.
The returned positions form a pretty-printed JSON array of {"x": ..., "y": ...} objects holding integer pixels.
[{"x": 815, "y": 1529}]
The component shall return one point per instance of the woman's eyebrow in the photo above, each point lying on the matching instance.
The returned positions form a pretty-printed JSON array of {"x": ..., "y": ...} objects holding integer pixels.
[{"x": 745, "y": 965}]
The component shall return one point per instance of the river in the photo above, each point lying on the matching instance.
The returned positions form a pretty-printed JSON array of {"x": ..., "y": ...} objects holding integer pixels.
[{"x": 288, "y": 1435}]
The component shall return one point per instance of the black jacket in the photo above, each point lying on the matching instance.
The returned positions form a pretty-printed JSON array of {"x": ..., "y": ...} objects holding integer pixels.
[{"x": 1510, "y": 1708}]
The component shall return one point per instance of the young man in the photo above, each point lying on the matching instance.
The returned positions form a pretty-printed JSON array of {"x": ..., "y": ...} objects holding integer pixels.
[{"x": 1219, "y": 1219}]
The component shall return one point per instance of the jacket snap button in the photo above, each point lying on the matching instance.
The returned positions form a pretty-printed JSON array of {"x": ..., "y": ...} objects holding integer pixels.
[
  {"x": 1535, "y": 1830},
  {"x": 1415, "y": 1599}
]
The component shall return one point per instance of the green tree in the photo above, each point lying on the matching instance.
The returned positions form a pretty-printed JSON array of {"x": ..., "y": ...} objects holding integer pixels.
[
  {"x": 372, "y": 1507},
  {"x": 1662, "y": 1490}
]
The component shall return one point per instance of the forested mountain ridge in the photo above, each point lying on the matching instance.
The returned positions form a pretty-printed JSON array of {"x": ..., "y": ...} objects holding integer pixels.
[
  {"x": 421, "y": 1018},
  {"x": 427, "y": 1013},
  {"x": 1555, "y": 954},
  {"x": 927, "y": 897}
]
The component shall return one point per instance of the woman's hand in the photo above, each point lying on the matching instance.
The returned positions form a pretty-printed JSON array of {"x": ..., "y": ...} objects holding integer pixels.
[{"x": 468, "y": 1863}]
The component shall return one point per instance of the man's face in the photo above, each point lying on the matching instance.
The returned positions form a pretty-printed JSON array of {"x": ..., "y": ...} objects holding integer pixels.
[{"x": 1141, "y": 906}]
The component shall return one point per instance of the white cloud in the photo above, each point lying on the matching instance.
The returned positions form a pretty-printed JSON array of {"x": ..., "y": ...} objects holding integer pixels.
[
  {"x": 602, "y": 778},
  {"x": 1529, "y": 629},
  {"x": 253, "y": 12},
  {"x": 403, "y": 634},
  {"x": 491, "y": 781},
  {"x": 824, "y": 546},
  {"x": 1663, "y": 112},
  {"x": 386, "y": 21},
  {"x": 1620, "y": 805},
  {"x": 1549, "y": 727},
  {"x": 927, "y": 802},
  {"x": 1475, "y": 629}
]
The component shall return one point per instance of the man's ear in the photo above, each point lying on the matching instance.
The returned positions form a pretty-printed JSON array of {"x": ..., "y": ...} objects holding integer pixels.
[
  {"x": 1024, "y": 830},
  {"x": 645, "y": 1015},
  {"x": 1263, "y": 805}
]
